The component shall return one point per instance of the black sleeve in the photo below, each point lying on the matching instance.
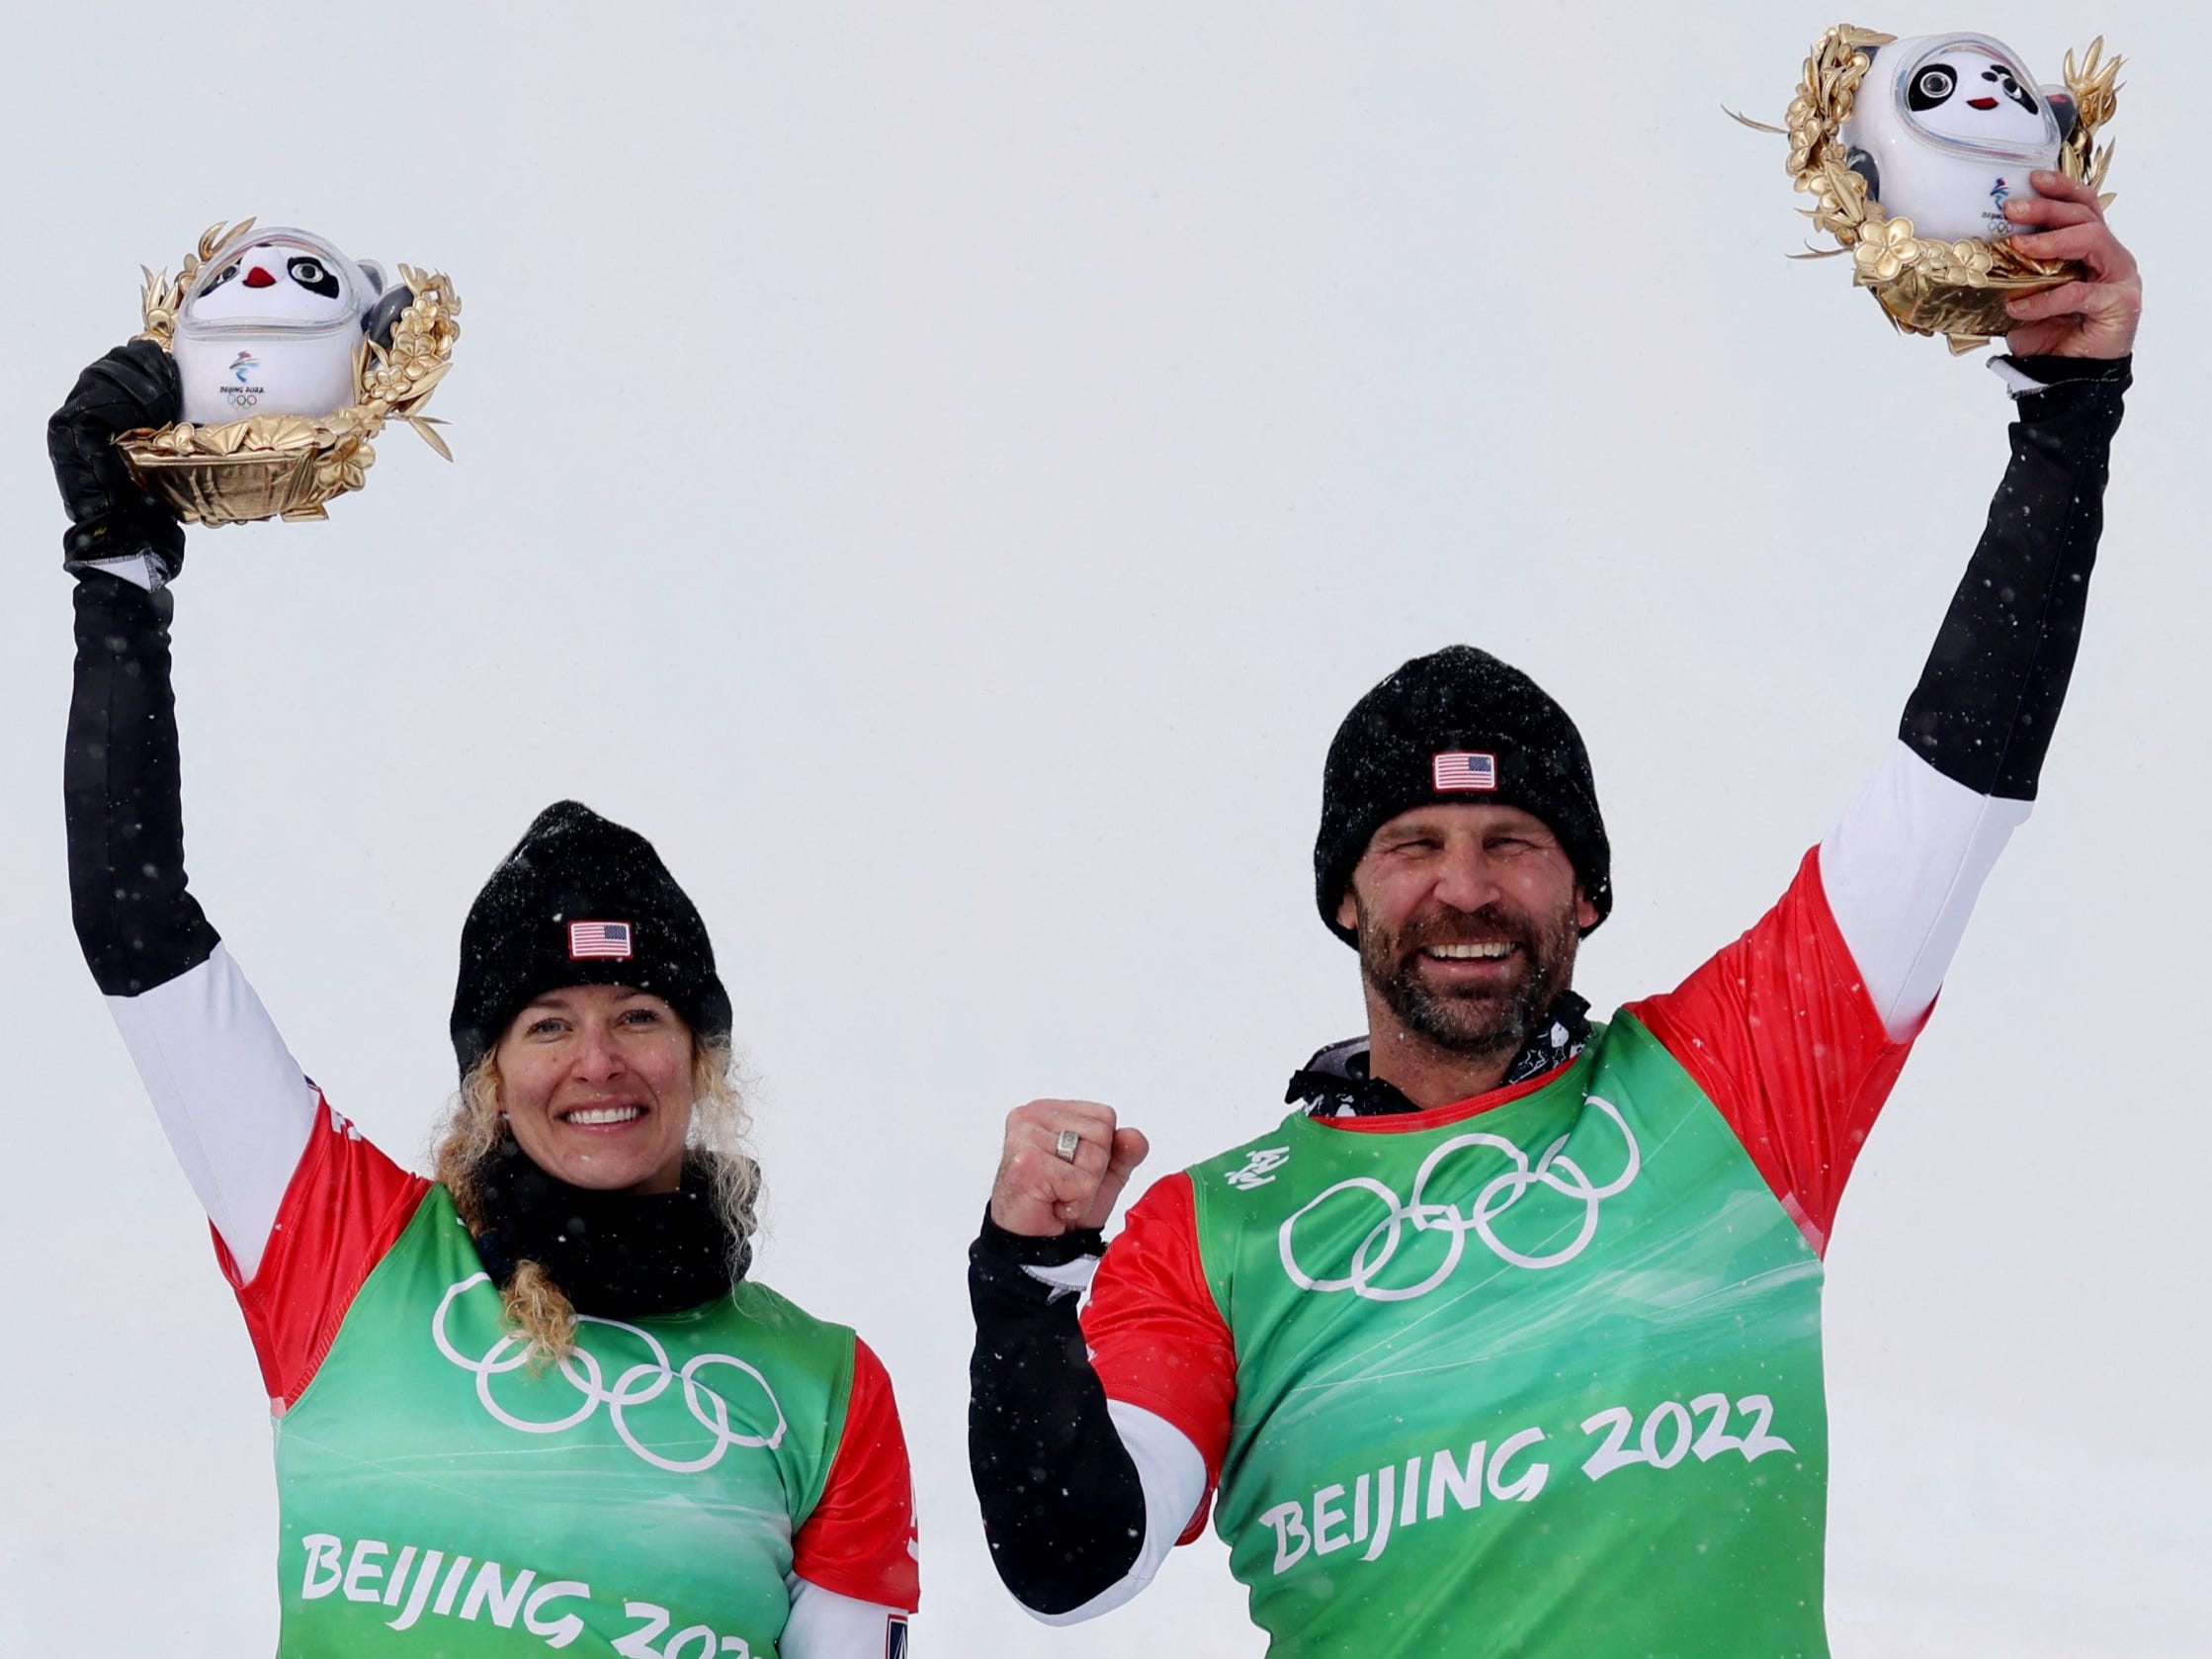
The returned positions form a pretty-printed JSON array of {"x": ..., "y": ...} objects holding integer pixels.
[
  {"x": 1984, "y": 710},
  {"x": 1062, "y": 1505},
  {"x": 136, "y": 922}
]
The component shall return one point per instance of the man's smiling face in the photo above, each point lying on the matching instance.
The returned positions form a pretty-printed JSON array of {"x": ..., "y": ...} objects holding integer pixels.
[{"x": 1468, "y": 919}]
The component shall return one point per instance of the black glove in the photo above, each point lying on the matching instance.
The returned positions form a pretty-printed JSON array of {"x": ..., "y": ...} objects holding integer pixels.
[{"x": 110, "y": 516}]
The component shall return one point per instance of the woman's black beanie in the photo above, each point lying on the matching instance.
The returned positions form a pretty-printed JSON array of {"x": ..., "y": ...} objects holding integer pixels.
[
  {"x": 580, "y": 900},
  {"x": 1457, "y": 726}
]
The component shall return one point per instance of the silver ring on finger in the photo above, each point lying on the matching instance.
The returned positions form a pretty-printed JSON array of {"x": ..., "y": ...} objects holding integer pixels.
[{"x": 1068, "y": 1144}]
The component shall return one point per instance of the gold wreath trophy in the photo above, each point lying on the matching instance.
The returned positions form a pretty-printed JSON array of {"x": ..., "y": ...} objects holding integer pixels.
[
  {"x": 1942, "y": 93},
  {"x": 309, "y": 386}
]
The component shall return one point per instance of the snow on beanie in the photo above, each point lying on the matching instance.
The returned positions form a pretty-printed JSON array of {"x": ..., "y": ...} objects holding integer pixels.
[
  {"x": 1457, "y": 726},
  {"x": 580, "y": 900}
]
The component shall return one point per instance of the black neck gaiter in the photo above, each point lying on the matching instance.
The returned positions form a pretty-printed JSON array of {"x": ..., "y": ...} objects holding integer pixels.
[
  {"x": 1336, "y": 1083},
  {"x": 613, "y": 1255}
]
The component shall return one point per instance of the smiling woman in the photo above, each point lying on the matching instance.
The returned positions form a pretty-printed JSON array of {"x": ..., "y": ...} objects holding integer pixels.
[
  {"x": 605, "y": 1096},
  {"x": 493, "y": 1150},
  {"x": 653, "y": 1441},
  {"x": 597, "y": 1082}
]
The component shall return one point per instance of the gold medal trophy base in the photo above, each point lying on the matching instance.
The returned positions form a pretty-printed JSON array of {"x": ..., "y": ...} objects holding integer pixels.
[
  {"x": 1958, "y": 289},
  {"x": 289, "y": 466}
]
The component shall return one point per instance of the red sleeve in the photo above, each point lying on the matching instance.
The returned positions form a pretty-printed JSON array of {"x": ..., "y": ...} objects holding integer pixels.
[
  {"x": 1156, "y": 1337},
  {"x": 346, "y": 1204},
  {"x": 1782, "y": 1036},
  {"x": 860, "y": 1539}
]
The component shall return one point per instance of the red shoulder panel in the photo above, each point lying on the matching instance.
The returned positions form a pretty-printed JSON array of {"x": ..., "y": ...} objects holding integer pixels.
[
  {"x": 346, "y": 1204},
  {"x": 1156, "y": 1337},
  {"x": 860, "y": 1539},
  {"x": 1781, "y": 1034}
]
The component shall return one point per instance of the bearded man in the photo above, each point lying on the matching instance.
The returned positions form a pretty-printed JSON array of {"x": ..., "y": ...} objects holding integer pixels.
[{"x": 1506, "y": 1341}]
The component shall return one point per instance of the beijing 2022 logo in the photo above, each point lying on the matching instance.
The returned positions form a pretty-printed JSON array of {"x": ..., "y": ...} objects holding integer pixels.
[
  {"x": 245, "y": 394},
  {"x": 1547, "y": 1193},
  {"x": 638, "y": 1384}
]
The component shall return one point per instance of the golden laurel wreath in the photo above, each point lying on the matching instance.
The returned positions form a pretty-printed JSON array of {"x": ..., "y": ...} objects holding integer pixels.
[
  {"x": 289, "y": 466},
  {"x": 1958, "y": 289}
]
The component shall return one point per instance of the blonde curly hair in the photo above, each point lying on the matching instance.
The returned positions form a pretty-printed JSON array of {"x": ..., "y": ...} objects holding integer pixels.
[{"x": 471, "y": 1136}]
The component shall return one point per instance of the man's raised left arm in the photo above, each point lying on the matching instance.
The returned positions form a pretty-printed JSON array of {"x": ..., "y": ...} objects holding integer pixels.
[
  {"x": 1797, "y": 1030},
  {"x": 1906, "y": 862}
]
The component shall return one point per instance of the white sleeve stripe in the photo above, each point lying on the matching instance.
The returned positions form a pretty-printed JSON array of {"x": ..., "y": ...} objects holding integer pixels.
[
  {"x": 1903, "y": 868},
  {"x": 233, "y": 1101},
  {"x": 826, "y": 1625},
  {"x": 136, "y": 568},
  {"x": 1066, "y": 1279},
  {"x": 1173, "y": 1476},
  {"x": 2017, "y": 381}
]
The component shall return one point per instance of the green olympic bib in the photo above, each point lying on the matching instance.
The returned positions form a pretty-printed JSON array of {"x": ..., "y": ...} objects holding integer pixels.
[
  {"x": 440, "y": 1497},
  {"x": 1543, "y": 1382}
]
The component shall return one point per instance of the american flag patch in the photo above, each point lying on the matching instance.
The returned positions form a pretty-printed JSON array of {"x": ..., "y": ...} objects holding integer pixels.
[
  {"x": 1457, "y": 769},
  {"x": 598, "y": 939}
]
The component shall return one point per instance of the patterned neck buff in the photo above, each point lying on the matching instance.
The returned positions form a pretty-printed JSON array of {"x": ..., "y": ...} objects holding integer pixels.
[{"x": 1336, "y": 1082}]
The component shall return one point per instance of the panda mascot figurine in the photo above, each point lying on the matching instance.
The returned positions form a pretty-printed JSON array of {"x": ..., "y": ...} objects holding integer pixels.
[
  {"x": 273, "y": 326},
  {"x": 1946, "y": 127}
]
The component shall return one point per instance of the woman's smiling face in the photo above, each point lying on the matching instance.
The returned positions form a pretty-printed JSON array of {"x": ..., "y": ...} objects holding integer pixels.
[{"x": 595, "y": 1082}]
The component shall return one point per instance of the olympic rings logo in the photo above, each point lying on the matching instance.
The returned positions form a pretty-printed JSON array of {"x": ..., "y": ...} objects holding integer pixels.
[
  {"x": 638, "y": 1385},
  {"x": 1555, "y": 1171}
]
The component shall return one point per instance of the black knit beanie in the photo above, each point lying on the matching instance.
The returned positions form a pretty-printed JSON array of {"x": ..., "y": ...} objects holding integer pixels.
[
  {"x": 1457, "y": 726},
  {"x": 580, "y": 900}
]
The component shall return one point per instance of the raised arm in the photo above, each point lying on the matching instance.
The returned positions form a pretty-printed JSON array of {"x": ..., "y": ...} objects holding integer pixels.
[
  {"x": 1906, "y": 862},
  {"x": 1796, "y": 1030},
  {"x": 233, "y": 1103}
]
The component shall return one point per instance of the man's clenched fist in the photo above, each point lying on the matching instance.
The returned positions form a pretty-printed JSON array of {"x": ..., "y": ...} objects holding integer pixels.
[{"x": 1042, "y": 1194}]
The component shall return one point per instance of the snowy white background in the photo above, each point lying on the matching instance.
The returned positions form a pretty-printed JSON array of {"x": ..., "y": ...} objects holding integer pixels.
[{"x": 942, "y": 473}]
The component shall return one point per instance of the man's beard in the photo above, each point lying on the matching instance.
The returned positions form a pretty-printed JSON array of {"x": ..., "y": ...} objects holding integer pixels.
[{"x": 1484, "y": 1022}]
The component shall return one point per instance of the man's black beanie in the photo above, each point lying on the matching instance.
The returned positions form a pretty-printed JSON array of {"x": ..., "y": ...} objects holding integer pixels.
[
  {"x": 1457, "y": 726},
  {"x": 580, "y": 900}
]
